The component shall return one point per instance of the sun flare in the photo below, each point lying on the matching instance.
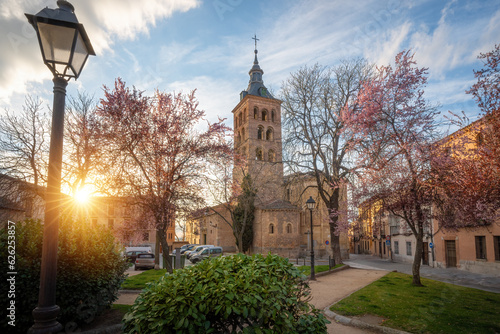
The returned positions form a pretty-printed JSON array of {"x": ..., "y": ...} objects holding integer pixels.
[{"x": 82, "y": 196}]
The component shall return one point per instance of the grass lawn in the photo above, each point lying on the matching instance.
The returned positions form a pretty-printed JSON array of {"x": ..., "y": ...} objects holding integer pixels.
[
  {"x": 317, "y": 269},
  {"x": 436, "y": 308},
  {"x": 122, "y": 307},
  {"x": 138, "y": 282}
]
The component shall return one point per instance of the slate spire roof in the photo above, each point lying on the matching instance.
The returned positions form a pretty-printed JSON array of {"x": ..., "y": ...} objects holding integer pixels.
[{"x": 256, "y": 84}]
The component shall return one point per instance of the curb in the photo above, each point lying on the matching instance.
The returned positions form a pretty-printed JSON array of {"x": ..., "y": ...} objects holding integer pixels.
[
  {"x": 130, "y": 291},
  {"x": 360, "y": 324},
  {"x": 325, "y": 273}
]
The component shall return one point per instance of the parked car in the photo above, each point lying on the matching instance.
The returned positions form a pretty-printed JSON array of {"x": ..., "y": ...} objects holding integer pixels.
[
  {"x": 145, "y": 261},
  {"x": 132, "y": 255},
  {"x": 189, "y": 248},
  {"x": 183, "y": 248},
  {"x": 196, "y": 249},
  {"x": 206, "y": 253}
]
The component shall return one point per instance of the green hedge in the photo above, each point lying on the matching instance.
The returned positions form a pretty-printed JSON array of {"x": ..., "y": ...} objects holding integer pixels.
[
  {"x": 89, "y": 274},
  {"x": 227, "y": 295}
]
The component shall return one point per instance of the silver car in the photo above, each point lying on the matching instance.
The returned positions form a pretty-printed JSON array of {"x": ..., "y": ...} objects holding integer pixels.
[
  {"x": 145, "y": 261},
  {"x": 206, "y": 253},
  {"x": 196, "y": 249}
]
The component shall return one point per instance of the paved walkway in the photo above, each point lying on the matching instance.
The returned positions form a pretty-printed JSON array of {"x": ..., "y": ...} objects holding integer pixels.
[
  {"x": 449, "y": 275},
  {"x": 331, "y": 288}
]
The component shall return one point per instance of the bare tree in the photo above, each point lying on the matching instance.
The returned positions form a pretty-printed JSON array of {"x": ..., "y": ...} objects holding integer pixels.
[
  {"x": 316, "y": 102},
  {"x": 235, "y": 200},
  {"x": 24, "y": 143},
  {"x": 82, "y": 148}
]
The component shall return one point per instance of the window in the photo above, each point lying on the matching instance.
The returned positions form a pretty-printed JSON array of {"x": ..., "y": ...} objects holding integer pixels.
[
  {"x": 243, "y": 134},
  {"x": 271, "y": 156},
  {"x": 258, "y": 154},
  {"x": 408, "y": 248},
  {"x": 111, "y": 210},
  {"x": 396, "y": 247},
  {"x": 479, "y": 139},
  {"x": 240, "y": 119},
  {"x": 496, "y": 243},
  {"x": 145, "y": 236},
  {"x": 480, "y": 247},
  {"x": 255, "y": 113},
  {"x": 111, "y": 223},
  {"x": 271, "y": 229},
  {"x": 289, "y": 228},
  {"x": 269, "y": 134},
  {"x": 264, "y": 115},
  {"x": 272, "y": 116},
  {"x": 260, "y": 133}
]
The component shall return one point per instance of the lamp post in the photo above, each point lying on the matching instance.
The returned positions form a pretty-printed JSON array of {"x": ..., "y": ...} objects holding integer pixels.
[
  {"x": 310, "y": 205},
  {"x": 65, "y": 48}
]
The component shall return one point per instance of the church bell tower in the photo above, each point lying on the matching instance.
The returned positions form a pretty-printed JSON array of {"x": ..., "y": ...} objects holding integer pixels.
[{"x": 257, "y": 130}]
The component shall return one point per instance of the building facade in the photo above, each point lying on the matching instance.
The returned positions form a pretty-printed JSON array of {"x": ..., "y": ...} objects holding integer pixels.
[{"x": 475, "y": 249}]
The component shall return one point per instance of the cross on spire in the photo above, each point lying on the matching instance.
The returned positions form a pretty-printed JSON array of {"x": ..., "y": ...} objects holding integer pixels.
[{"x": 255, "y": 39}]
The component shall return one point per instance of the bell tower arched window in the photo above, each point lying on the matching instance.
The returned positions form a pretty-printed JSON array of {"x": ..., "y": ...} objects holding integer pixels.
[
  {"x": 260, "y": 132},
  {"x": 258, "y": 154},
  {"x": 271, "y": 156},
  {"x": 255, "y": 113},
  {"x": 264, "y": 115},
  {"x": 240, "y": 119},
  {"x": 269, "y": 134},
  {"x": 272, "y": 115},
  {"x": 289, "y": 228}
]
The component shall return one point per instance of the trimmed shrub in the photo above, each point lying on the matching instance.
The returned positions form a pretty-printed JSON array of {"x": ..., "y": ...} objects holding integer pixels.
[
  {"x": 233, "y": 294},
  {"x": 90, "y": 270}
]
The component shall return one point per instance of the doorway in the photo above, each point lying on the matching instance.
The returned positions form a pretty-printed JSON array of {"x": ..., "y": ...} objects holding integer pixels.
[
  {"x": 425, "y": 253},
  {"x": 451, "y": 253}
]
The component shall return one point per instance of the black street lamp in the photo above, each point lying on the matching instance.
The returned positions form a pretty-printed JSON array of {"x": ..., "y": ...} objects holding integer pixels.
[
  {"x": 310, "y": 205},
  {"x": 65, "y": 48}
]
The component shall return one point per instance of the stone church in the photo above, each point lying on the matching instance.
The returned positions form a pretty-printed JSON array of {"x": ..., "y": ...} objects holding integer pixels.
[{"x": 282, "y": 221}]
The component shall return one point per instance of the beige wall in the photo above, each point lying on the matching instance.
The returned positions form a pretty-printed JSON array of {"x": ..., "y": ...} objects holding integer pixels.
[{"x": 465, "y": 243}]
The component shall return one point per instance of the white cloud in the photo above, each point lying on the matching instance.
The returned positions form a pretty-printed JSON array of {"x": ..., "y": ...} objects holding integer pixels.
[
  {"x": 105, "y": 21},
  {"x": 388, "y": 45}
]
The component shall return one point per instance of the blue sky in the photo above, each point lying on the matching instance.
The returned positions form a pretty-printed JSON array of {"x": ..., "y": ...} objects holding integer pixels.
[{"x": 180, "y": 45}]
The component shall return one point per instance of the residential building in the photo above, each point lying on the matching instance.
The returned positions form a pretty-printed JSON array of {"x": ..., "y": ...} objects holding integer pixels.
[{"x": 476, "y": 249}]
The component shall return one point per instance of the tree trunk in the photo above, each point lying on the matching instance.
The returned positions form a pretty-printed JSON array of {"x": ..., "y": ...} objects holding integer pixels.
[
  {"x": 417, "y": 259},
  {"x": 337, "y": 256},
  {"x": 166, "y": 255}
]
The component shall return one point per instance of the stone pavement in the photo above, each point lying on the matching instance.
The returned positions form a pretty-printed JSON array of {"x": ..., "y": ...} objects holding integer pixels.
[
  {"x": 449, "y": 275},
  {"x": 331, "y": 288}
]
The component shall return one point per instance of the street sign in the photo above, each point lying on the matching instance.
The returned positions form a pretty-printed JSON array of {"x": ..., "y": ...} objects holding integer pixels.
[
  {"x": 431, "y": 245},
  {"x": 327, "y": 242},
  {"x": 388, "y": 242},
  {"x": 388, "y": 237}
]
